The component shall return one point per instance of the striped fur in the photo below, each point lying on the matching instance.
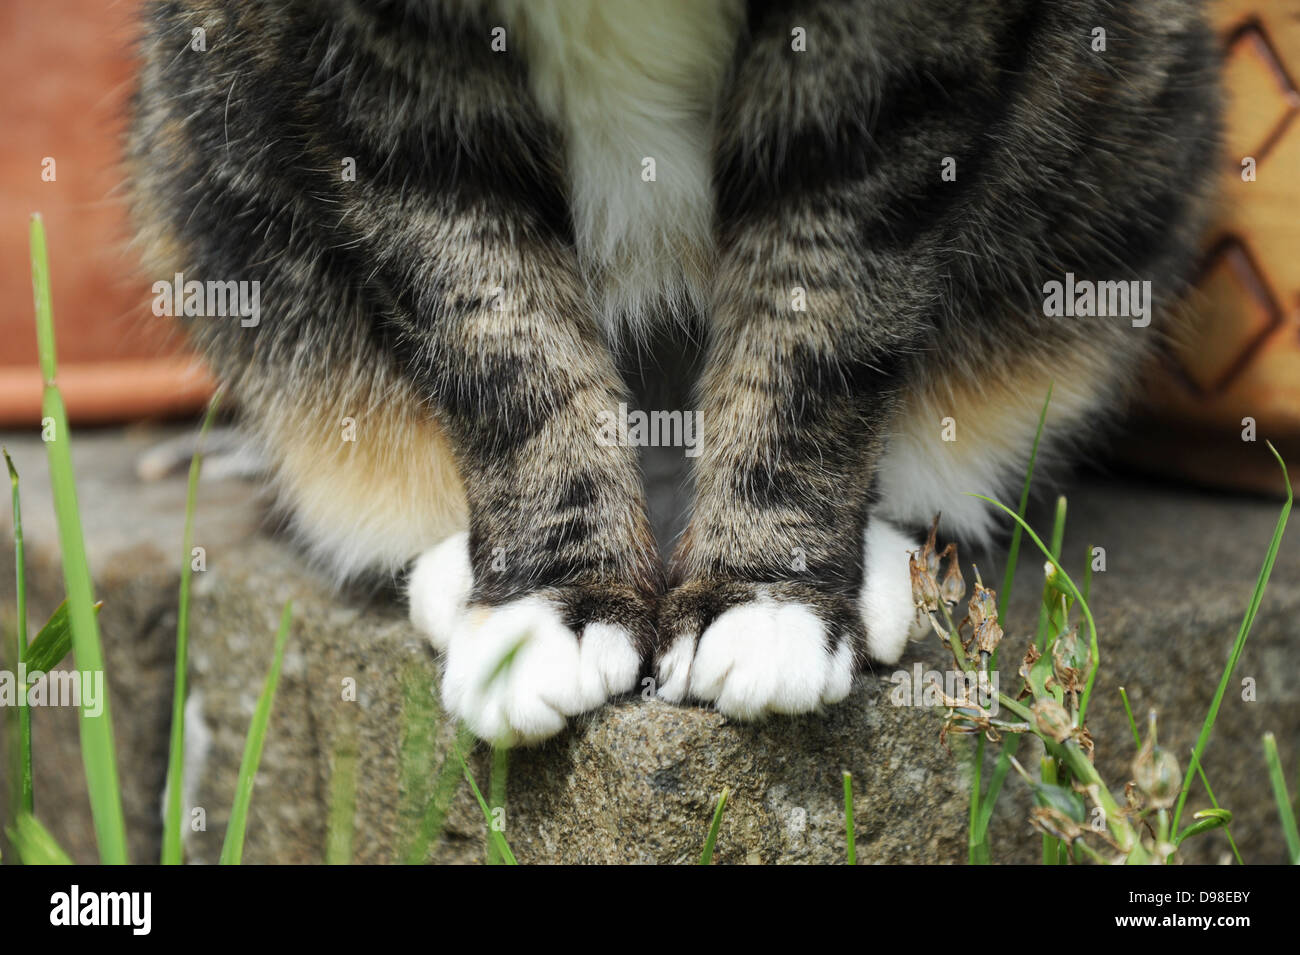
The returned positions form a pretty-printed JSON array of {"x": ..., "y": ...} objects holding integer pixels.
[{"x": 460, "y": 300}]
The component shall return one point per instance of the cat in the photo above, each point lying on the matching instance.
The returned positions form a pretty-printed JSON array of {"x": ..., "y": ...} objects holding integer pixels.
[{"x": 471, "y": 221}]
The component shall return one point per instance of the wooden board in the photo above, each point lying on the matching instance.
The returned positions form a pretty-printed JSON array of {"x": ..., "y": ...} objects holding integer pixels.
[{"x": 1242, "y": 360}]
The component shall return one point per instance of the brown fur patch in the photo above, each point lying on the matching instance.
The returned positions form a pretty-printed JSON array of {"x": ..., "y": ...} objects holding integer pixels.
[{"x": 381, "y": 498}]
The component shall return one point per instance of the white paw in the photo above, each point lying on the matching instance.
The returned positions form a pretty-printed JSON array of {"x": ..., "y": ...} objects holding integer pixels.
[
  {"x": 886, "y": 599},
  {"x": 514, "y": 673},
  {"x": 757, "y": 658},
  {"x": 439, "y": 588}
]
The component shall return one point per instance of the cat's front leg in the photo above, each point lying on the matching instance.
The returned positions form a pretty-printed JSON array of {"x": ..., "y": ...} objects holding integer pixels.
[
  {"x": 784, "y": 583},
  {"x": 514, "y": 672},
  {"x": 544, "y": 607}
]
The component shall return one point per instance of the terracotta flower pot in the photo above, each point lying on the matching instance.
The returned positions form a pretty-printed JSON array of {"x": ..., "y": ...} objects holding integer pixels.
[{"x": 66, "y": 69}]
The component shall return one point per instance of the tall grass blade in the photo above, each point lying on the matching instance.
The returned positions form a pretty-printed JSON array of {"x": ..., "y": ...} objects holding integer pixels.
[
  {"x": 1013, "y": 552},
  {"x": 1010, "y": 743},
  {"x": 1261, "y": 582},
  {"x": 172, "y": 834},
  {"x": 981, "y": 806},
  {"x": 415, "y": 760},
  {"x": 497, "y": 792},
  {"x": 1045, "y": 623},
  {"x": 1283, "y": 799},
  {"x": 1132, "y": 723},
  {"x": 444, "y": 790},
  {"x": 494, "y": 834},
  {"x": 232, "y": 850},
  {"x": 343, "y": 804},
  {"x": 51, "y": 645},
  {"x": 1051, "y": 845},
  {"x": 1049, "y": 625},
  {"x": 1073, "y": 593},
  {"x": 54, "y": 641},
  {"x": 22, "y": 771},
  {"x": 97, "y": 748},
  {"x": 1087, "y": 575},
  {"x": 1227, "y": 828},
  {"x": 34, "y": 844},
  {"x": 706, "y": 857},
  {"x": 850, "y": 838}
]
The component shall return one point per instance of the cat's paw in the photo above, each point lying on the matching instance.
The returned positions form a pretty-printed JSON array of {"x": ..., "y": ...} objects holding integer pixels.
[
  {"x": 516, "y": 672},
  {"x": 755, "y": 649},
  {"x": 763, "y": 655}
]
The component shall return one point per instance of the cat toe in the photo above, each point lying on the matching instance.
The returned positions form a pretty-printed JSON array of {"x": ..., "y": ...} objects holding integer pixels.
[{"x": 674, "y": 669}]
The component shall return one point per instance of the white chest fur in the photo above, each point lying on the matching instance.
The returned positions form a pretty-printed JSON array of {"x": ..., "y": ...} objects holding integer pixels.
[{"x": 633, "y": 85}]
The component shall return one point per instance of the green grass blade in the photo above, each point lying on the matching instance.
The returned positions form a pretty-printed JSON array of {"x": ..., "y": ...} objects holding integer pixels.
[
  {"x": 503, "y": 848},
  {"x": 98, "y": 752},
  {"x": 1227, "y": 829},
  {"x": 1132, "y": 723},
  {"x": 232, "y": 850},
  {"x": 977, "y": 847},
  {"x": 424, "y": 814},
  {"x": 850, "y": 839},
  {"x": 22, "y": 770},
  {"x": 1050, "y": 624},
  {"x": 43, "y": 654},
  {"x": 444, "y": 790},
  {"x": 981, "y": 806},
  {"x": 1013, "y": 552},
  {"x": 1261, "y": 582},
  {"x": 34, "y": 844},
  {"x": 1011, "y": 741},
  {"x": 1073, "y": 592},
  {"x": 1207, "y": 821},
  {"x": 46, "y": 352},
  {"x": 497, "y": 792},
  {"x": 172, "y": 832},
  {"x": 343, "y": 805},
  {"x": 54, "y": 642},
  {"x": 415, "y": 761},
  {"x": 711, "y": 839},
  {"x": 1087, "y": 575},
  {"x": 1283, "y": 799},
  {"x": 1047, "y": 773},
  {"x": 1047, "y": 628},
  {"x": 1010, "y": 744}
]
